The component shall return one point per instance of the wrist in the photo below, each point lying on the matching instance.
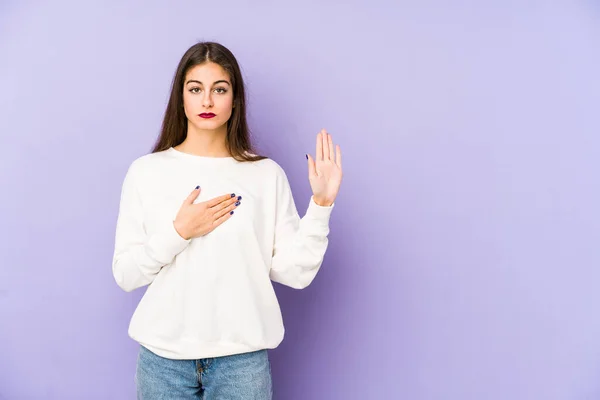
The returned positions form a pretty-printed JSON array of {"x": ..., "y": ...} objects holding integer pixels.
[
  {"x": 179, "y": 231},
  {"x": 322, "y": 201}
]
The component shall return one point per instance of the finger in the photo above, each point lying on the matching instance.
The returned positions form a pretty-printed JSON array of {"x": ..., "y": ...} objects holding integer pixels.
[
  {"x": 312, "y": 171},
  {"x": 331, "y": 148},
  {"x": 219, "y": 199},
  {"x": 338, "y": 158},
  {"x": 224, "y": 216},
  {"x": 225, "y": 204},
  {"x": 319, "y": 153},
  {"x": 324, "y": 135},
  {"x": 222, "y": 219},
  {"x": 219, "y": 221},
  {"x": 193, "y": 196}
]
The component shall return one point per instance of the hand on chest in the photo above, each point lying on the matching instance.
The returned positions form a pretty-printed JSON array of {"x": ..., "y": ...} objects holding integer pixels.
[{"x": 161, "y": 206}]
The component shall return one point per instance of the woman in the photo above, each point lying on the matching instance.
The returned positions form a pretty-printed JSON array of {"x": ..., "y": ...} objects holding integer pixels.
[{"x": 207, "y": 225}]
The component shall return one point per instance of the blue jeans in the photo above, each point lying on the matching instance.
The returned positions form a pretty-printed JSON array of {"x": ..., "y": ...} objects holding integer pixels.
[{"x": 236, "y": 377}]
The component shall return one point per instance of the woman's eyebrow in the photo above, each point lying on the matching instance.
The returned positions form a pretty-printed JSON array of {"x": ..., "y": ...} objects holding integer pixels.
[{"x": 220, "y": 81}]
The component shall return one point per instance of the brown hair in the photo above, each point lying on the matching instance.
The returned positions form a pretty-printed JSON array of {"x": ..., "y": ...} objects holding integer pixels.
[{"x": 174, "y": 126}]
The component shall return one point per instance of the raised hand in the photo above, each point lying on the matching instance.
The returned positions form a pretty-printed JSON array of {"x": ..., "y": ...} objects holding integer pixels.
[{"x": 325, "y": 170}]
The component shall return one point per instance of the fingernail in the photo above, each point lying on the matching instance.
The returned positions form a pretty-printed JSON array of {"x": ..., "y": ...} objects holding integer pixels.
[
  {"x": 306, "y": 156},
  {"x": 197, "y": 187},
  {"x": 232, "y": 194},
  {"x": 239, "y": 197},
  {"x": 237, "y": 203},
  {"x": 231, "y": 213}
]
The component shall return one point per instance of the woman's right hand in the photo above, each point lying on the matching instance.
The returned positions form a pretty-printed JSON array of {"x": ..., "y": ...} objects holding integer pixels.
[{"x": 195, "y": 220}]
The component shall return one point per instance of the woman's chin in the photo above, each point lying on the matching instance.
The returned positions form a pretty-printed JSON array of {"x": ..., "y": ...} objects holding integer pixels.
[{"x": 209, "y": 125}]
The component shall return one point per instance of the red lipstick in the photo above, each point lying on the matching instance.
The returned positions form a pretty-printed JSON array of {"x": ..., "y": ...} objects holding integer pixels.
[{"x": 206, "y": 115}]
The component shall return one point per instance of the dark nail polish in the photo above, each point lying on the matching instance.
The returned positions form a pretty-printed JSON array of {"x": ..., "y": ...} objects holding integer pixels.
[
  {"x": 306, "y": 156},
  {"x": 239, "y": 197},
  {"x": 232, "y": 194},
  {"x": 237, "y": 203},
  {"x": 231, "y": 212},
  {"x": 197, "y": 187}
]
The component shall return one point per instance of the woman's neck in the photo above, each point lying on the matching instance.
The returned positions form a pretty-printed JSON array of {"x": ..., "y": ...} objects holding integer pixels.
[{"x": 205, "y": 143}]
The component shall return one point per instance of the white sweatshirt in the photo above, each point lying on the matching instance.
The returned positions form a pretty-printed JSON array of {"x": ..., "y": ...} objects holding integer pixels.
[{"x": 212, "y": 296}]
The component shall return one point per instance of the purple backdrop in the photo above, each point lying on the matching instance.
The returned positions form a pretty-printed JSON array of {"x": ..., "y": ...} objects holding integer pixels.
[{"x": 465, "y": 243}]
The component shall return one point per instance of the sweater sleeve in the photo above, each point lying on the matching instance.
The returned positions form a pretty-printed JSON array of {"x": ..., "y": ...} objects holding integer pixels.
[
  {"x": 138, "y": 257},
  {"x": 300, "y": 243}
]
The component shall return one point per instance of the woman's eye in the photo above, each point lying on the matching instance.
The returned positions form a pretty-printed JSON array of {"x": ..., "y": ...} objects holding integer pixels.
[
  {"x": 195, "y": 90},
  {"x": 221, "y": 90}
]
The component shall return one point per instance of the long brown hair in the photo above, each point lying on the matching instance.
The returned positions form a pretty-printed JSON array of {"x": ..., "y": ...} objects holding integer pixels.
[{"x": 174, "y": 126}]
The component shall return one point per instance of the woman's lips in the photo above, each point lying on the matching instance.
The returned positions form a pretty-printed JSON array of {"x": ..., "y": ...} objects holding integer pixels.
[{"x": 206, "y": 115}]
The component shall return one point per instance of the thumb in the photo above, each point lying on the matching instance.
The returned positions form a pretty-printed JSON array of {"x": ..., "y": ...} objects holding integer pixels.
[
  {"x": 193, "y": 196},
  {"x": 311, "y": 166}
]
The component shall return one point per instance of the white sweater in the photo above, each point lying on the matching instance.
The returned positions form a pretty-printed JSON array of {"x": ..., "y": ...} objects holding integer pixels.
[{"x": 212, "y": 296}]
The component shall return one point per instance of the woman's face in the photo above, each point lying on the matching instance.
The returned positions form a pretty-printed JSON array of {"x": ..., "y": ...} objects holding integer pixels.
[{"x": 207, "y": 96}]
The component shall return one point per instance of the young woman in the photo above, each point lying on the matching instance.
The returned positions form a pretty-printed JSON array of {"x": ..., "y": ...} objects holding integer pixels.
[{"x": 207, "y": 224}]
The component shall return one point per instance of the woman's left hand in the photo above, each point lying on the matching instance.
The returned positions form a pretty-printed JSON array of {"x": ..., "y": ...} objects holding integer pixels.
[{"x": 325, "y": 170}]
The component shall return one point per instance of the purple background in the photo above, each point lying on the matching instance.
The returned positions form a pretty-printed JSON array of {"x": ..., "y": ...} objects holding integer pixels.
[{"x": 464, "y": 252}]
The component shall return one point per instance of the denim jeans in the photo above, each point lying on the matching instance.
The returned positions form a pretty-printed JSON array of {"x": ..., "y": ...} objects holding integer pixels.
[{"x": 235, "y": 377}]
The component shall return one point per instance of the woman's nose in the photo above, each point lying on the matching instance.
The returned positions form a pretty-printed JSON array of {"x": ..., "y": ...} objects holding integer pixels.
[{"x": 207, "y": 100}]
